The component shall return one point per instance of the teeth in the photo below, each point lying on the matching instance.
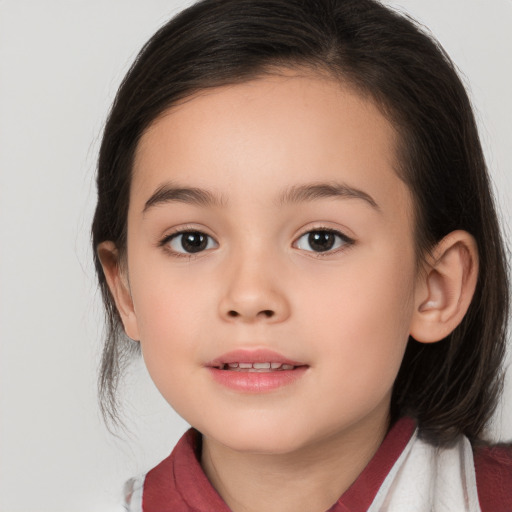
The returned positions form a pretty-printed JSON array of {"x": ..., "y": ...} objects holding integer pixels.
[
  {"x": 255, "y": 367},
  {"x": 261, "y": 366}
]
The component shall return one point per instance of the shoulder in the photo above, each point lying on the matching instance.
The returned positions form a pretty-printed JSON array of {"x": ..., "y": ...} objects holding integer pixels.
[
  {"x": 157, "y": 490},
  {"x": 163, "y": 487},
  {"x": 493, "y": 468},
  {"x": 178, "y": 483}
]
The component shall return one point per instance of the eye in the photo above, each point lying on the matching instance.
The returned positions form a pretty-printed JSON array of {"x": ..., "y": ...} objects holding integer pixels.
[
  {"x": 322, "y": 240},
  {"x": 190, "y": 242}
]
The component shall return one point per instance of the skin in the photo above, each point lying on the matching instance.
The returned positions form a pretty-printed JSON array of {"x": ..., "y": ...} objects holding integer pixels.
[{"x": 346, "y": 313}]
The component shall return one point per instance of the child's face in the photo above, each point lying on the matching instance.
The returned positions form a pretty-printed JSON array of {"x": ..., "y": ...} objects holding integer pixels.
[{"x": 300, "y": 243}]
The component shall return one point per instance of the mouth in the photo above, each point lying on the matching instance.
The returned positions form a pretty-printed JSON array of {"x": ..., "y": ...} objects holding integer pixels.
[
  {"x": 256, "y": 367},
  {"x": 255, "y": 371},
  {"x": 254, "y": 360}
]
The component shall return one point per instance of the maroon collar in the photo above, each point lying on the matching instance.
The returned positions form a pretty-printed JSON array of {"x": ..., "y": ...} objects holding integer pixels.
[{"x": 179, "y": 483}]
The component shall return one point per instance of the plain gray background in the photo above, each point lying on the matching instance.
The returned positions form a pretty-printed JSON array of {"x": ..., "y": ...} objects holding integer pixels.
[{"x": 61, "y": 62}]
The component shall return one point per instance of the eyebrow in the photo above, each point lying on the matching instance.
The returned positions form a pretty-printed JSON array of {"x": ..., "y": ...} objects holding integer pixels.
[
  {"x": 313, "y": 191},
  {"x": 170, "y": 192}
]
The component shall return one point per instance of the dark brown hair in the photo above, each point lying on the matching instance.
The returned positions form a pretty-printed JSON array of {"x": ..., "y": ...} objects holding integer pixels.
[{"x": 451, "y": 387}]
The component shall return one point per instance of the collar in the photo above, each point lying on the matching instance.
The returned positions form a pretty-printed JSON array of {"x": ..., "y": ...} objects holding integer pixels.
[{"x": 180, "y": 481}]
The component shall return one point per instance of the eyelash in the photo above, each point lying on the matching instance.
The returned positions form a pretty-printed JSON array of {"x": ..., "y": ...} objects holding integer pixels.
[
  {"x": 165, "y": 243},
  {"x": 344, "y": 242}
]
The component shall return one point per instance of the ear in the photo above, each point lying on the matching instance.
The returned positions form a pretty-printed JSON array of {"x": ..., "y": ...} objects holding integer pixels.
[
  {"x": 445, "y": 288},
  {"x": 118, "y": 284}
]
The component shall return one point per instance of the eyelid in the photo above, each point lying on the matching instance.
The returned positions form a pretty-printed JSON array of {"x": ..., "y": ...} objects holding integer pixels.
[
  {"x": 184, "y": 228},
  {"x": 181, "y": 230},
  {"x": 347, "y": 240}
]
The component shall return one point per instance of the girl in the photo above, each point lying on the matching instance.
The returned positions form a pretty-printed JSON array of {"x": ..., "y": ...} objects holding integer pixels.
[{"x": 295, "y": 225}]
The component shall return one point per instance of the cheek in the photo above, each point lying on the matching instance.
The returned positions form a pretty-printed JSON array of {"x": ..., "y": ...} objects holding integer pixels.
[
  {"x": 170, "y": 316},
  {"x": 362, "y": 315},
  {"x": 167, "y": 300}
]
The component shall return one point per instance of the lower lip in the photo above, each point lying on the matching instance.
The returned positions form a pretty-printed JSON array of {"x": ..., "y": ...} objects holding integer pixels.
[{"x": 257, "y": 382}]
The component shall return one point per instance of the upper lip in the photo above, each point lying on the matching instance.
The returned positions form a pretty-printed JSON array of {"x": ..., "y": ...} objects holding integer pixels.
[{"x": 252, "y": 356}]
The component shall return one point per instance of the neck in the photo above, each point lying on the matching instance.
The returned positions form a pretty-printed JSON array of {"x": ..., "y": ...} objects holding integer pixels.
[{"x": 309, "y": 479}]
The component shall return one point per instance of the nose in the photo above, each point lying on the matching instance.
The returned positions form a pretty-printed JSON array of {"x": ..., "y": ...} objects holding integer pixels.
[{"x": 252, "y": 293}]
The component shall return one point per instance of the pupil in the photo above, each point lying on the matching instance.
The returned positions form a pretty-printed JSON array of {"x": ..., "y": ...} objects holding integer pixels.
[
  {"x": 194, "y": 242},
  {"x": 321, "y": 240}
]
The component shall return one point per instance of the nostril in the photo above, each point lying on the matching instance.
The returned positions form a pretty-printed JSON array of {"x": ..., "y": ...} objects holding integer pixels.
[{"x": 268, "y": 313}]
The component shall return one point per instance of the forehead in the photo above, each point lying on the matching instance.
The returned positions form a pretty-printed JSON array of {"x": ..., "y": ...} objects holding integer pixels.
[{"x": 260, "y": 137}]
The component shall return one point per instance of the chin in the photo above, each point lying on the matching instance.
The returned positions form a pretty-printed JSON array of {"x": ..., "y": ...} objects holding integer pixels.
[
  {"x": 262, "y": 444},
  {"x": 257, "y": 437}
]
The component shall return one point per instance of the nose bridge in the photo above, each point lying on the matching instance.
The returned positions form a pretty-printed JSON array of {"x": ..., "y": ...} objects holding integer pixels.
[{"x": 252, "y": 289}]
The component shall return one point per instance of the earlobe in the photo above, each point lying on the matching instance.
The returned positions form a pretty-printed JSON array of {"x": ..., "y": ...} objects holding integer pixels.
[
  {"x": 445, "y": 288},
  {"x": 119, "y": 287}
]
